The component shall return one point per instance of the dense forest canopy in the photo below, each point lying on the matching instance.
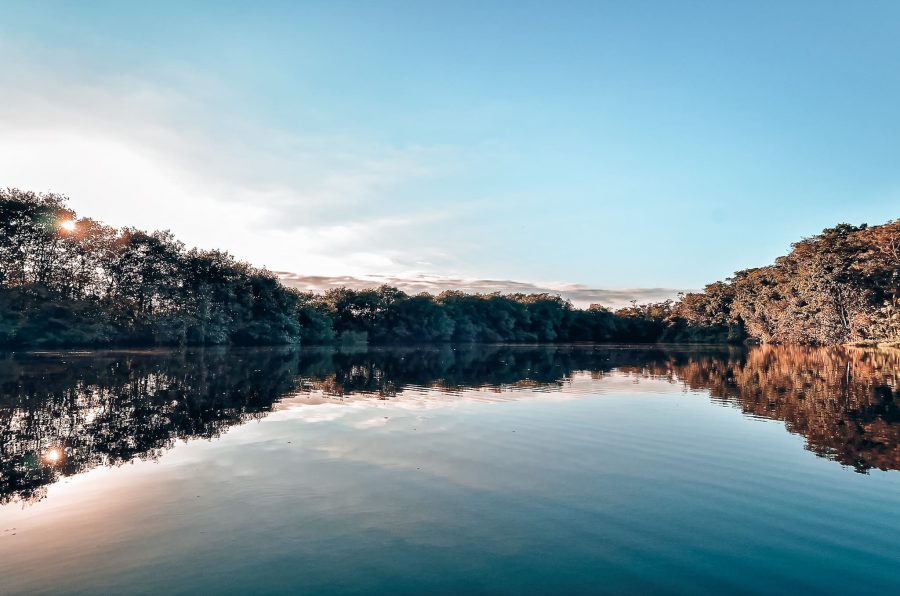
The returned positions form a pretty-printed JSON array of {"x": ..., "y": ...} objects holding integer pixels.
[
  {"x": 66, "y": 280},
  {"x": 840, "y": 286}
]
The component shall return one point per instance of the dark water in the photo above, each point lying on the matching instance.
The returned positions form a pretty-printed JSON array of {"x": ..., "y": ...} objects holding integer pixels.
[{"x": 441, "y": 470}]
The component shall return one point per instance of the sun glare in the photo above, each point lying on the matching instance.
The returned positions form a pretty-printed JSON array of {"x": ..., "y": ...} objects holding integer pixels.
[
  {"x": 52, "y": 455},
  {"x": 68, "y": 226}
]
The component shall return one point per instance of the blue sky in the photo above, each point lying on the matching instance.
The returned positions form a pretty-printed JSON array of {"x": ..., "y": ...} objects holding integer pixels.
[{"x": 606, "y": 144}]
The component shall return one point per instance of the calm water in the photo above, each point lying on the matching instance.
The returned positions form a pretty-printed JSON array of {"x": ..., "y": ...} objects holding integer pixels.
[{"x": 440, "y": 470}]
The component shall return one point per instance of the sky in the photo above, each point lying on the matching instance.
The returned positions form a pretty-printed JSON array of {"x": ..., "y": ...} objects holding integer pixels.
[{"x": 606, "y": 150}]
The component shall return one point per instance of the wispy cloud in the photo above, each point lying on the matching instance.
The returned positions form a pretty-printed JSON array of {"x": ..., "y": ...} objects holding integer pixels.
[
  {"x": 580, "y": 295},
  {"x": 149, "y": 153},
  {"x": 160, "y": 154}
]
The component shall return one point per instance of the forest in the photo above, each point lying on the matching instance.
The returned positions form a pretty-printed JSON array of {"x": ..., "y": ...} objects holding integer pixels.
[{"x": 70, "y": 281}]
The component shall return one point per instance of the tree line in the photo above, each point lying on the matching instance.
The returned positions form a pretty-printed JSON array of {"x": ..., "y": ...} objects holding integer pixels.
[{"x": 68, "y": 281}]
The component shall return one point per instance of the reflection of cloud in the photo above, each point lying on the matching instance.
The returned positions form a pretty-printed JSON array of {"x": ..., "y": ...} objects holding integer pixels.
[
  {"x": 317, "y": 406},
  {"x": 580, "y": 295},
  {"x": 372, "y": 422},
  {"x": 431, "y": 419},
  {"x": 326, "y": 412}
]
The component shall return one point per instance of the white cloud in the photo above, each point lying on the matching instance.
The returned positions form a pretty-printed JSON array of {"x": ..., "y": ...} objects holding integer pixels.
[
  {"x": 130, "y": 153},
  {"x": 580, "y": 295}
]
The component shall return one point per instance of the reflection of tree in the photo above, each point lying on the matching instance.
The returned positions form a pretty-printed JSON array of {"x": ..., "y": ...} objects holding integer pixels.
[
  {"x": 384, "y": 372},
  {"x": 111, "y": 408},
  {"x": 842, "y": 400}
]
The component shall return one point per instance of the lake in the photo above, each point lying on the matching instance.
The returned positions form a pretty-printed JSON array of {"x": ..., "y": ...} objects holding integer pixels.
[{"x": 478, "y": 469}]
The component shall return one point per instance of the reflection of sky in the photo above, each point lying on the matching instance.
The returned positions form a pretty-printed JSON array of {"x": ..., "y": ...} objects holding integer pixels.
[{"x": 631, "y": 485}]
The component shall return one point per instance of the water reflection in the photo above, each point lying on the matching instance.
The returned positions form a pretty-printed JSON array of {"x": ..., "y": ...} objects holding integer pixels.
[
  {"x": 842, "y": 400},
  {"x": 65, "y": 413},
  {"x": 62, "y": 414}
]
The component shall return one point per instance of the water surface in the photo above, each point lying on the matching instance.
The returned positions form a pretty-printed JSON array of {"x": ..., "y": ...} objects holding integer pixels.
[{"x": 471, "y": 469}]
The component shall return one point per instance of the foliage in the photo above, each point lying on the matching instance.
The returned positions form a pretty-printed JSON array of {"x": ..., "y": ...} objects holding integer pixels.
[
  {"x": 68, "y": 281},
  {"x": 840, "y": 286},
  {"x": 89, "y": 284}
]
